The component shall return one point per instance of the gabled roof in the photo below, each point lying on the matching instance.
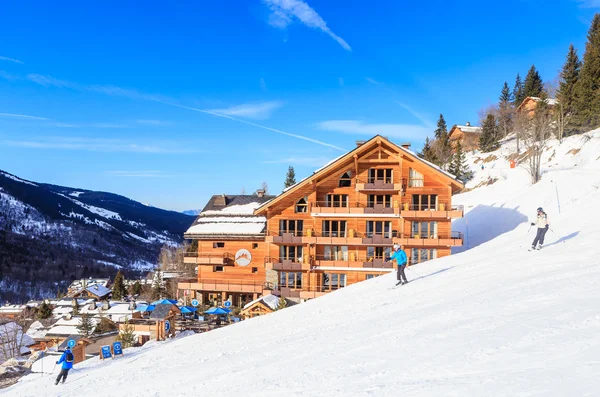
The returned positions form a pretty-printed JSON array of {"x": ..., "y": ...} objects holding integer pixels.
[
  {"x": 162, "y": 311},
  {"x": 549, "y": 101},
  {"x": 98, "y": 290},
  {"x": 360, "y": 149},
  {"x": 466, "y": 128}
]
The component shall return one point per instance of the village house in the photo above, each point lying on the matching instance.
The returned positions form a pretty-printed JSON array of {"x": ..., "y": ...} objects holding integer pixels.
[
  {"x": 467, "y": 135},
  {"x": 332, "y": 229},
  {"x": 530, "y": 103},
  {"x": 78, "y": 285},
  {"x": 264, "y": 305}
]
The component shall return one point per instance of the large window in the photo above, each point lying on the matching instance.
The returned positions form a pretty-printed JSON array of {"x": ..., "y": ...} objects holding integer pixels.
[
  {"x": 380, "y": 174},
  {"x": 290, "y": 279},
  {"x": 345, "y": 180},
  {"x": 378, "y": 253},
  {"x": 302, "y": 205},
  {"x": 336, "y": 253},
  {"x": 415, "y": 179},
  {"x": 424, "y": 202},
  {"x": 379, "y": 228},
  {"x": 383, "y": 199},
  {"x": 290, "y": 253},
  {"x": 337, "y": 200},
  {"x": 291, "y": 226},
  {"x": 418, "y": 255},
  {"x": 424, "y": 229},
  {"x": 333, "y": 281},
  {"x": 334, "y": 228}
]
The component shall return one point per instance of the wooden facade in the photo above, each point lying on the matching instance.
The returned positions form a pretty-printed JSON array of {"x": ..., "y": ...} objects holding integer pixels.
[
  {"x": 337, "y": 227},
  {"x": 467, "y": 135},
  {"x": 530, "y": 103}
]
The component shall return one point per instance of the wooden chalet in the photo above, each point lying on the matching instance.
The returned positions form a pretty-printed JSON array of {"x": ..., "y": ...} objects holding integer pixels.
[
  {"x": 330, "y": 230},
  {"x": 530, "y": 103},
  {"x": 231, "y": 251},
  {"x": 263, "y": 305},
  {"x": 336, "y": 227},
  {"x": 467, "y": 135}
]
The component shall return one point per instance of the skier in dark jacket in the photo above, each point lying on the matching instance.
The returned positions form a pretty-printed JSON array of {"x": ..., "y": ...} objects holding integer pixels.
[
  {"x": 542, "y": 227},
  {"x": 401, "y": 260},
  {"x": 67, "y": 363}
]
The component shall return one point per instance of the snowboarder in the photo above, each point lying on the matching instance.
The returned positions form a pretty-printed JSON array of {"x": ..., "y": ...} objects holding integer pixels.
[
  {"x": 542, "y": 227},
  {"x": 67, "y": 363},
  {"x": 400, "y": 257}
]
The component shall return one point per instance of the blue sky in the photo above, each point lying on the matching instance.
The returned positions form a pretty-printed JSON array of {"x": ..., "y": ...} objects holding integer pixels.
[{"x": 171, "y": 102}]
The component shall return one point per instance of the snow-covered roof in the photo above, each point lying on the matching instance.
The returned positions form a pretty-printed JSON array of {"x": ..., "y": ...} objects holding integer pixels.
[
  {"x": 37, "y": 331},
  {"x": 98, "y": 290},
  {"x": 270, "y": 300},
  {"x": 78, "y": 284},
  {"x": 228, "y": 225},
  {"x": 245, "y": 209},
  {"x": 549, "y": 101},
  {"x": 9, "y": 333},
  {"x": 12, "y": 309},
  {"x": 470, "y": 128}
]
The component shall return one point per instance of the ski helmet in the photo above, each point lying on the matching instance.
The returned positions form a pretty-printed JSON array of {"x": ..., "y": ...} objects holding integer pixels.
[
  {"x": 396, "y": 247},
  {"x": 540, "y": 209}
]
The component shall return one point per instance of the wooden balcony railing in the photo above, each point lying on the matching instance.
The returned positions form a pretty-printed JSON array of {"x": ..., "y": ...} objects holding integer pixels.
[{"x": 208, "y": 258}]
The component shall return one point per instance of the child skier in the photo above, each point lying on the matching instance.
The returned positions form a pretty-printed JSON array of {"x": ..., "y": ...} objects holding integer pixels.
[
  {"x": 400, "y": 257},
  {"x": 542, "y": 227},
  {"x": 67, "y": 363}
]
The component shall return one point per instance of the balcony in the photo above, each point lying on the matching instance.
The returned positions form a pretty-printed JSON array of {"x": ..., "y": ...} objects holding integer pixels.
[
  {"x": 354, "y": 262},
  {"x": 378, "y": 185},
  {"x": 213, "y": 285},
  {"x": 455, "y": 239},
  {"x": 437, "y": 211},
  {"x": 322, "y": 208},
  {"x": 284, "y": 237},
  {"x": 202, "y": 258},
  {"x": 289, "y": 264}
]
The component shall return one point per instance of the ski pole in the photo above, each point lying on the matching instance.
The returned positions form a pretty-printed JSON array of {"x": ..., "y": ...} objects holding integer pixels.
[{"x": 418, "y": 275}]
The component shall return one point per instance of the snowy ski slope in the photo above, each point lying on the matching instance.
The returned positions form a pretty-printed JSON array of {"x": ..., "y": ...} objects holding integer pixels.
[{"x": 494, "y": 320}]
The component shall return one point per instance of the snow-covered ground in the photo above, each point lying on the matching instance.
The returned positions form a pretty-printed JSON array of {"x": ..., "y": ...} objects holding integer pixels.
[{"x": 494, "y": 320}]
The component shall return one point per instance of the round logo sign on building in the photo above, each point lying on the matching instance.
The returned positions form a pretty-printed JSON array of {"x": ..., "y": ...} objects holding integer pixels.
[{"x": 243, "y": 257}]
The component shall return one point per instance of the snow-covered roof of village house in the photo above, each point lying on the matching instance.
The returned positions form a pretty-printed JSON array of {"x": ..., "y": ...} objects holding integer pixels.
[
  {"x": 98, "y": 290},
  {"x": 12, "y": 309},
  {"x": 470, "y": 128},
  {"x": 78, "y": 284},
  {"x": 270, "y": 300},
  {"x": 8, "y": 332},
  {"x": 227, "y": 215},
  {"x": 37, "y": 331},
  {"x": 549, "y": 101}
]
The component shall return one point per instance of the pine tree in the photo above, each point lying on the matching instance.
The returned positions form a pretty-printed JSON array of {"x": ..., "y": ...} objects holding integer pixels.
[
  {"x": 534, "y": 86},
  {"x": 458, "y": 166},
  {"x": 442, "y": 146},
  {"x": 136, "y": 288},
  {"x": 119, "y": 290},
  {"x": 157, "y": 286},
  {"x": 44, "y": 311},
  {"x": 86, "y": 325},
  {"x": 282, "y": 304},
  {"x": 428, "y": 152},
  {"x": 290, "y": 178},
  {"x": 587, "y": 89},
  {"x": 505, "y": 111},
  {"x": 518, "y": 96},
  {"x": 566, "y": 90},
  {"x": 127, "y": 335},
  {"x": 488, "y": 141},
  {"x": 442, "y": 129}
]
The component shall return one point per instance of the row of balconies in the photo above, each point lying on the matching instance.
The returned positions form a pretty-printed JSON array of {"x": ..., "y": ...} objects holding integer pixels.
[
  {"x": 354, "y": 238},
  {"x": 406, "y": 210},
  {"x": 308, "y": 262}
]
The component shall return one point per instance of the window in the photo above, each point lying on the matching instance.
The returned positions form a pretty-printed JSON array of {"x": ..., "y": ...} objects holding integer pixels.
[
  {"x": 291, "y": 226},
  {"x": 334, "y": 228},
  {"x": 418, "y": 255},
  {"x": 379, "y": 228},
  {"x": 383, "y": 199},
  {"x": 345, "y": 180},
  {"x": 218, "y": 269},
  {"x": 424, "y": 229},
  {"x": 333, "y": 281},
  {"x": 219, "y": 245},
  {"x": 415, "y": 179},
  {"x": 290, "y": 279},
  {"x": 336, "y": 253},
  {"x": 370, "y": 276},
  {"x": 378, "y": 253},
  {"x": 290, "y": 253},
  {"x": 424, "y": 202},
  {"x": 380, "y": 174},
  {"x": 302, "y": 205},
  {"x": 337, "y": 200},
  {"x": 254, "y": 246},
  {"x": 254, "y": 270}
]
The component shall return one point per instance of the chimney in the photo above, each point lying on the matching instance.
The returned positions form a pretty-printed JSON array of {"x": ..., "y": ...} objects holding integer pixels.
[
  {"x": 260, "y": 193},
  {"x": 406, "y": 145},
  {"x": 360, "y": 143},
  {"x": 220, "y": 201},
  {"x": 468, "y": 124}
]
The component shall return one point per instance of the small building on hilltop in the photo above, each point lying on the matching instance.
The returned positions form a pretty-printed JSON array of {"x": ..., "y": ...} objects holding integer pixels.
[
  {"x": 467, "y": 135},
  {"x": 530, "y": 103},
  {"x": 94, "y": 291},
  {"x": 229, "y": 250},
  {"x": 264, "y": 305},
  {"x": 78, "y": 285}
]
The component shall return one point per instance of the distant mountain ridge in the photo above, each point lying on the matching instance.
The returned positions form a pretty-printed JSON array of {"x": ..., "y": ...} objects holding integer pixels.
[
  {"x": 191, "y": 212},
  {"x": 51, "y": 234}
]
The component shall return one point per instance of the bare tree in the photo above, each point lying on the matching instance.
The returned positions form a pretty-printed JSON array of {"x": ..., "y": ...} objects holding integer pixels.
[
  {"x": 243, "y": 191},
  {"x": 13, "y": 337},
  {"x": 264, "y": 187},
  {"x": 538, "y": 128}
]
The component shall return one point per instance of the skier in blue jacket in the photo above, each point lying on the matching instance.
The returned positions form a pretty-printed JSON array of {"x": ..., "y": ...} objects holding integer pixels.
[
  {"x": 67, "y": 363},
  {"x": 401, "y": 259}
]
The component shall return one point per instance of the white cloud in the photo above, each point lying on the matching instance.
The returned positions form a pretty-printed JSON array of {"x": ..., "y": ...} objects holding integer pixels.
[
  {"x": 22, "y": 116},
  {"x": 49, "y": 81},
  {"x": 405, "y": 131},
  {"x": 372, "y": 81},
  {"x": 260, "y": 110},
  {"x": 417, "y": 115},
  {"x": 10, "y": 60},
  {"x": 153, "y": 122},
  {"x": 98, "y": 145},
  {"x": 284, "y": 11}
]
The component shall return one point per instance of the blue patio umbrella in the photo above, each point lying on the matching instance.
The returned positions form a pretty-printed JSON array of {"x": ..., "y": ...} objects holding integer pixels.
[
  {"x": 217, "y": 311},
  {"x": 188, "y": 310},
  {"x": 165, "y": 302}
]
